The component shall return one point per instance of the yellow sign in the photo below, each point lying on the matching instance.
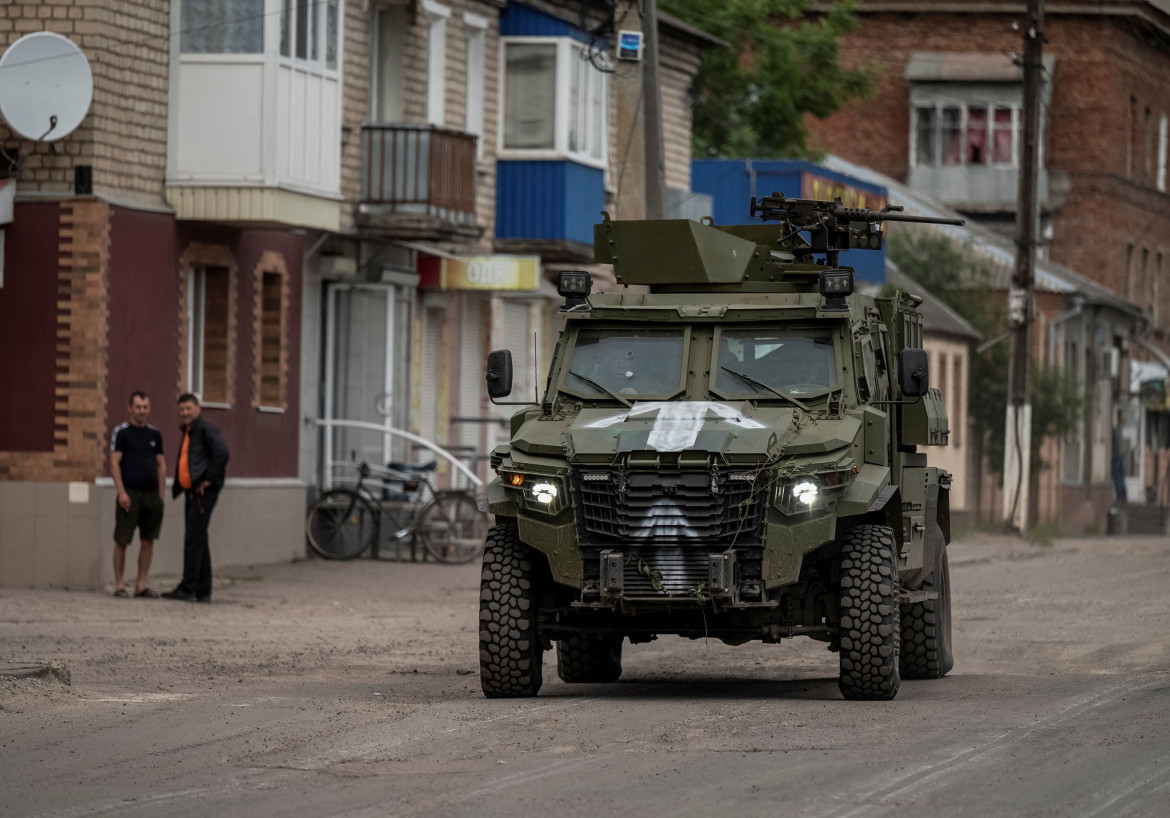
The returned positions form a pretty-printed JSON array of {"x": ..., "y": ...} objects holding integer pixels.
[{"x": 515, "y": 273}]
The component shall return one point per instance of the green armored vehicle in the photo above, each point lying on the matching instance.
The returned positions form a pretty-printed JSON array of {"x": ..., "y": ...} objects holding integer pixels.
[{"x": 731, "y": 451}]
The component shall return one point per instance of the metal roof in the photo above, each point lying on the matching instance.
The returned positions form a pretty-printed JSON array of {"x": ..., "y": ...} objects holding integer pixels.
[{"x": 998, "y": 251}]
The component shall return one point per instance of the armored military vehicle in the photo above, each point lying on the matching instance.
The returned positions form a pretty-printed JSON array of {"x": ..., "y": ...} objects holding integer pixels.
[{"x": 731, "y": 451}]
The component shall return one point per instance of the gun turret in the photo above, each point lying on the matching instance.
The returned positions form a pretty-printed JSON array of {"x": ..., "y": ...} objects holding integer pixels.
[{"x": 833, "y": 227}]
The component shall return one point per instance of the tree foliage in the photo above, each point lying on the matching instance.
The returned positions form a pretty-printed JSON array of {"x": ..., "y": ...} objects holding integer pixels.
[
  {"x": 961, "y": 280},
  {"x": 750, "y": 98}
]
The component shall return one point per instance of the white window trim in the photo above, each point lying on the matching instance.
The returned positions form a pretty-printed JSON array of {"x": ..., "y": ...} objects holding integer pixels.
[
  {"x": 196, "y": 283},
  {"x": 316, "y": 67},
  {"x": 1162, "y": 139},
  {"x": 437, "y": 16},
  {"x": 475, "y": 31},
  {"x": 964, "y": 109},
  {"x": 560, "y": 151}
]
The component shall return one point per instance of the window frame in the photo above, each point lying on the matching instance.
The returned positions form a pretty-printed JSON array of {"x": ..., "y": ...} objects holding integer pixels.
[
  {"x": 567, "y": 50},
  {"x": 192, "y": 268},
  {"x": 797, "y": 330},
  {"x": 475, "y": 40},
  {"x": 436, "y": 16},
  {"x": 270, "y": 264},
  {"x": 964, "y": 109},
  {"x": 315, "y": 60},
  {"x": 563, "y": 376}
]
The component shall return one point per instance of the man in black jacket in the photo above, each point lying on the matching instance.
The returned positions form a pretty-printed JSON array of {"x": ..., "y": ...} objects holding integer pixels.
[{"x": 199, "y": 474}]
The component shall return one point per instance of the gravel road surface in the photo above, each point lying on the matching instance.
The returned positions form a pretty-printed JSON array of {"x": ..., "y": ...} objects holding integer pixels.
[{"x": 351, "y": 689}]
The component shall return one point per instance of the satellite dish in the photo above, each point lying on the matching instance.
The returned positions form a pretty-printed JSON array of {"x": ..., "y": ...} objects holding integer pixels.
[{"x": 45, "y": 86}]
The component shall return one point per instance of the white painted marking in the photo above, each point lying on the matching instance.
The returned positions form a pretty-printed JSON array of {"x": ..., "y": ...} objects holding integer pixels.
[{"x": 678, "y": 423}]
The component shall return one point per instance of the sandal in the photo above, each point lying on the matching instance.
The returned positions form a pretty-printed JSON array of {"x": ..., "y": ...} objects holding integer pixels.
[
  {"x": 121, "y": 592},
  {"x": 148, "y": 593}
]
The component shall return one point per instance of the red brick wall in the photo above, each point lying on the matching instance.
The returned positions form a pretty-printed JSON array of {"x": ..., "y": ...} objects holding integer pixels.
[
  {"x": 79, "y": 324},
  {"x": 143, "y": 316},
  {"x": 1098, "y": 208},
  {"x": 28, "y": 312}
]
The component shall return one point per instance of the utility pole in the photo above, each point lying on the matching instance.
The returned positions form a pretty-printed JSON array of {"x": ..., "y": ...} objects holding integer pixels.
[
  {"x": 652, "y": 115},
  {"x": 1021, "y": 301}
]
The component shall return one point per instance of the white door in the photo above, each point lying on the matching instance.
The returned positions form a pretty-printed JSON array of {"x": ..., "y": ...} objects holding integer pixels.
[{"x": 365, "y": 367}]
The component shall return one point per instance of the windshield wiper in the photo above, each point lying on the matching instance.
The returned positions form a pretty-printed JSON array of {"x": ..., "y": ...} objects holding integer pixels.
[
  {"x": 601, "y": 388},
  {"x": 777, "y": 392}
]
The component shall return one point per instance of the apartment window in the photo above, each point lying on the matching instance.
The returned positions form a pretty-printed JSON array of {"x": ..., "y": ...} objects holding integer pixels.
[
  {"x": 436, "y": 61},
  {"x": 475, "y": 28},
  {"x": 1148, "y": 132},
  {"x": 309, "y": 31},
  {"x": 222, "y": 27},
  {"x": 1162, "y": 153},
  {"x": 270, "y": 334},
  {"x": 555, "y": 101},
  {"x": 959, "y": 416},
  {"x": 947, "y": 135},
  {"x": 208, "y": 333},
  {"x": 1129, "y": 271}
]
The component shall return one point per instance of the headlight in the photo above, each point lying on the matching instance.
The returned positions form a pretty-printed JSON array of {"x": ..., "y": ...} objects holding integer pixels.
[
  {"x": 544, "y": 493},
  {"x": 798, "y": 495},
  {"x": 541, "y": 493},
  {"x": 806, "y": 492}
]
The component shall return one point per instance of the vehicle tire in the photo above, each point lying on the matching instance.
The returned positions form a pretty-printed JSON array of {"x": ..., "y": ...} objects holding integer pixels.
[
  {"x": 341, "y": 525},
  {"x": 510, "y": 652},
  {"x": 926, "y": 626},
  {"x": 869, "y": 613},
  {"x": 589, "y": 658},
  {"x": 451, "y": 527}
]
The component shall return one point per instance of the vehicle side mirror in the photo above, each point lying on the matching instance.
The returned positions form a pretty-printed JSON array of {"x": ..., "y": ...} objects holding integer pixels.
[
  {"x": 499, "y": 373},
  {"x": 913, "y": 372}
]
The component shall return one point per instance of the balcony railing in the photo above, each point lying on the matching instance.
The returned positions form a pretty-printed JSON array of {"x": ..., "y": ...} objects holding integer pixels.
[{"x": 419, "y": 171}]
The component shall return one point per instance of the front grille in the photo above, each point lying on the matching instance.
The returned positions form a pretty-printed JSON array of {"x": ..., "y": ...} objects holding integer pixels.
[
  {"x": 686, "y": 507},
  {"x": 672, "y": 571}
]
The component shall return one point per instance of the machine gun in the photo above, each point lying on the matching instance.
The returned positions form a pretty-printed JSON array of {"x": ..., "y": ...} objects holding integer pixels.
[{"x": 832, "y": 227}]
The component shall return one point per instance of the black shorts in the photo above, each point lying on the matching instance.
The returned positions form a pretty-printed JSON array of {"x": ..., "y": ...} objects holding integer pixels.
[{"x": 145, "y": 514}]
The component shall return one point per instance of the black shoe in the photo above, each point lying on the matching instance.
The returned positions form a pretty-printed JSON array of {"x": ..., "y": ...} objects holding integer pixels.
[
  {"x": 181, "y": 596},
  {"x": 206, "y": 600}
]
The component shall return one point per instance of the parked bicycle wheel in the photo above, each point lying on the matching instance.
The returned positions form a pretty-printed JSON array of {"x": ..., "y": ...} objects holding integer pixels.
[
  {"x": 452, "y": 528},
  {"x": 341, "y": 524}
]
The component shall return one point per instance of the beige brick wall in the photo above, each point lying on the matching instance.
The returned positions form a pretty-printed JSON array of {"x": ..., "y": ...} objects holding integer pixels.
[
  {"x": 678, "y": 62},
  {"x": 124, "y": 135},
  {"x": 356, "y": 106}
]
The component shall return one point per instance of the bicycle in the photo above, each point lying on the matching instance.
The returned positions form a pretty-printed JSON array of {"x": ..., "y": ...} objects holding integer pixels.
[{"x": 344, "y": 522}]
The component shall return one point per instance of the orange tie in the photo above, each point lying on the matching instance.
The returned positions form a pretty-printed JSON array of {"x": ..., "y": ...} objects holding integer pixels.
[{"x": 184, "y": 472}]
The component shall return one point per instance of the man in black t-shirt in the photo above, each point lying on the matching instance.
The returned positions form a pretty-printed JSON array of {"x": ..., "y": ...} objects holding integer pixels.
[{"x": 140, "y": 473}]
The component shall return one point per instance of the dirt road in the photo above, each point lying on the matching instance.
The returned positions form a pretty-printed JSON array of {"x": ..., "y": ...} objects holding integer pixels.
[{"x": 351, "y": 690}]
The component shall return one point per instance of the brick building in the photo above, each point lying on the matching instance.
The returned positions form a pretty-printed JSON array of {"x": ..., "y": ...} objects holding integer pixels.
[
  {"x": 945, "y": 119},
  {"x": 291, "y": 209}
]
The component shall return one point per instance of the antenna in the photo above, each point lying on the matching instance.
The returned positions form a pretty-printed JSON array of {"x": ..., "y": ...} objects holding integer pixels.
[
  {"x": 535, "y": 371},
  {"x": 45, "y": 86}
]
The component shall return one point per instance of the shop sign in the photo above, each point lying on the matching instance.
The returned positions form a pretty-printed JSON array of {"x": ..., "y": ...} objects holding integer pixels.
[
  {"x": 826, "y": 190},
  {"x": 1154, "y": 395},
  {"x": 496, "y": 273}
]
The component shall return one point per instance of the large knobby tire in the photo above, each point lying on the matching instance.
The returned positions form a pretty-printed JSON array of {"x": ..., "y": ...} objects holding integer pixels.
[
  {"x": 869, "y": 611},
  {"x": 510, "y": 652},
  {"x": 926, "y": 626},
  {"x": 589, "y": 658}
]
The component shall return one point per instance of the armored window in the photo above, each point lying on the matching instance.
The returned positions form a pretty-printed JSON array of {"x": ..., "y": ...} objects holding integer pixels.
[
  {"x": 755, "y": 362},
  {"x": 630, "y": 363}
]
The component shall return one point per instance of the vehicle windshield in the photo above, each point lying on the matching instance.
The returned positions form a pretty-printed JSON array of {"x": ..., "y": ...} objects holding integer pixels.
[
  {"x": 627, "y": 362},
  {"x": 790, "y": 361}
]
